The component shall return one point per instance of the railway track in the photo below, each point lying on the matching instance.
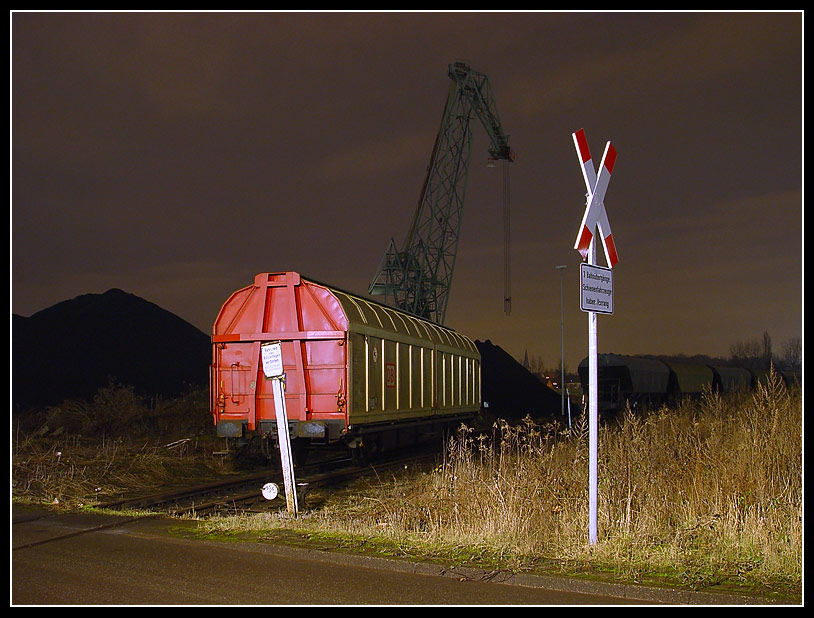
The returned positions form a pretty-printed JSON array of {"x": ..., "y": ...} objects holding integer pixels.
[{"x": 244, "y": 493}]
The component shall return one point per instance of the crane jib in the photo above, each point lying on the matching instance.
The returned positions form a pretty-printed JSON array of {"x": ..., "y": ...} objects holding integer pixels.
[{"x": 417, "y": 278}]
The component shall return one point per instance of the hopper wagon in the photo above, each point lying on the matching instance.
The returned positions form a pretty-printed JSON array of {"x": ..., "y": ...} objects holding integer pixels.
[
  {"x": 627, "y": 379},
  {"x": 356, "y": 372},
  {"x": 642, "y": 381}
]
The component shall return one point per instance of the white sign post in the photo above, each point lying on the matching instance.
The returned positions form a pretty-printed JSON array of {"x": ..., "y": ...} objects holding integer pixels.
[
  {"x": 272, "y": 357},
  {"x": 599, "y": 295}
]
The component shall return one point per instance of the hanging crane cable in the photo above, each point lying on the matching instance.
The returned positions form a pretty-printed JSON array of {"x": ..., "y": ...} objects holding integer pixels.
[{"x": 507, "y": 242}]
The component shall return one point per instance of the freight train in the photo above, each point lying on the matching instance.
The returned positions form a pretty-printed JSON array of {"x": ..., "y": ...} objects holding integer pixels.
[
  {"x": 642, "y": 381},
  {"x": 357, "y": 373}
]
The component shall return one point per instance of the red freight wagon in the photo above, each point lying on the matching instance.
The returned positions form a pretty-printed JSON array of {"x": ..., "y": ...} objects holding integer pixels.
[{"x": 356, "y": 371}]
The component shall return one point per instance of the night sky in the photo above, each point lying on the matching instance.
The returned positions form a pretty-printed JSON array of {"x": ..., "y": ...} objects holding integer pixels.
[{"x": 175, "y": 156}]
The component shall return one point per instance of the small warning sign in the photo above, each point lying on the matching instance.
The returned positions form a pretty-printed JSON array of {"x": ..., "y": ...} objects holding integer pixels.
[
  {"x": 272, "y": 357},
  {"x": 595, "y": 288}
]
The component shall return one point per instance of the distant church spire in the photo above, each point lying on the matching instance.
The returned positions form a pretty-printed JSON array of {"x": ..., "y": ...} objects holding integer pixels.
[{"x": 526, "y": 360}]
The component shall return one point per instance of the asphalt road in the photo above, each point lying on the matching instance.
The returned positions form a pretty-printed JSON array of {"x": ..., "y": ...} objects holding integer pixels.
[{"x": 83, "y": 559}]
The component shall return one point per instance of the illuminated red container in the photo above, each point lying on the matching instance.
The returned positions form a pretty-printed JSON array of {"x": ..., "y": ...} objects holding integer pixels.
[{"x": 353, "y": 367}]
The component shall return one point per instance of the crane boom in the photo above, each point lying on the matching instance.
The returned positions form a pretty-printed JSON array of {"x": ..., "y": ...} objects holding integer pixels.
[{"x": 417, "y": 277}]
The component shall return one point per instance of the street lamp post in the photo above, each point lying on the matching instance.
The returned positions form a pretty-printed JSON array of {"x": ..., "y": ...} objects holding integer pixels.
[{"x": 562, "y": 347}]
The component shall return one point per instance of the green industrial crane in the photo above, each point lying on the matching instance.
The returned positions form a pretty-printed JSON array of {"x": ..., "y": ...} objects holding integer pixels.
[{"x": 417, "y": 278}]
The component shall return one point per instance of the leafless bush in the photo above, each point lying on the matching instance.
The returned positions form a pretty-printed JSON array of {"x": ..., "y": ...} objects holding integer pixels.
[{"x": 84, "y": 452}]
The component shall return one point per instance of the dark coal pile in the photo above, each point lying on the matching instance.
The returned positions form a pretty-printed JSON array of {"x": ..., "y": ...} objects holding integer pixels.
[
  {"x": 512, "y": 391},
  {"x": 70, "y": 350}
]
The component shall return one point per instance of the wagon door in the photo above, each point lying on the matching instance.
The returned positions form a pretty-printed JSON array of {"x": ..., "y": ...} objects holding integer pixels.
[{"x": 235, "y": 385}]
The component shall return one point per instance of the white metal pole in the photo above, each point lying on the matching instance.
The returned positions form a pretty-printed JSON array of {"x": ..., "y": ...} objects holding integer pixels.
[
  {"x": 593, "y": 416},
  {"x": 284, "y": 440}
]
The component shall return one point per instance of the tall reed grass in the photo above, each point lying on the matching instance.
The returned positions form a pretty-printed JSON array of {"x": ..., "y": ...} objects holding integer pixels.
[{"x": 706, "y": 493}]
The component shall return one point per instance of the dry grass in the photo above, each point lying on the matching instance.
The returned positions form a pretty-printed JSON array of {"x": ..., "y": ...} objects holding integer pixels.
[
  {"x": 84, "y": 453},
  {"x": 708, "y": 494}
]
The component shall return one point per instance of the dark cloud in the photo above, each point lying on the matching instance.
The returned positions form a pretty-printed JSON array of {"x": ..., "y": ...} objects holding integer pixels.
[{"x": 176, "y": 155}]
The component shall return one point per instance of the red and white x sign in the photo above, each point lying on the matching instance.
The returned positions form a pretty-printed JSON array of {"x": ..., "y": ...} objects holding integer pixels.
[{"x": 595, "y": 215}]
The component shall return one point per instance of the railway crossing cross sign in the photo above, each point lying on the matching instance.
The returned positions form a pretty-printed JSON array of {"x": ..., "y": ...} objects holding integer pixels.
[
  {"x": 597, "y": 185},
  {"x": 599, "y": 297}
]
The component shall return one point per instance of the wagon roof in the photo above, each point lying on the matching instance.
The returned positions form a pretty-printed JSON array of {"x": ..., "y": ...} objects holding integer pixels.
[
  {"x": 636, "y": 363},
  {"x": 645, "y": 375},
  {"x": 366, "y": 312}
]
